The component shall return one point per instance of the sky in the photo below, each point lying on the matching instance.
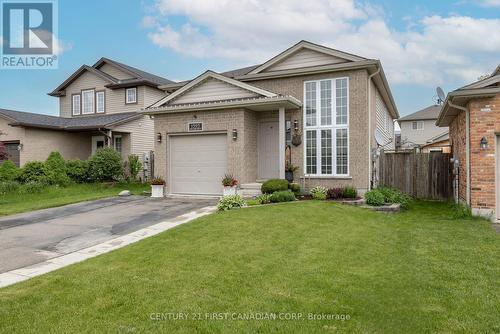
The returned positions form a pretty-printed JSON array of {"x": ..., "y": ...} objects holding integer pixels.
[{"x": 421, "y": 44}]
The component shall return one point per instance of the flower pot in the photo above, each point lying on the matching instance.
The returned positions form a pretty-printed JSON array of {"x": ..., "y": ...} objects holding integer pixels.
[
  {"x": 289, "y": 176},
  {"x": 228, "y": 191},
  {"x": 157, "y": 191}
]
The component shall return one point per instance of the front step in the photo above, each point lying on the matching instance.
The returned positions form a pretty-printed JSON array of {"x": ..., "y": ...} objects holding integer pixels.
[{"x": 249, "y": 190}]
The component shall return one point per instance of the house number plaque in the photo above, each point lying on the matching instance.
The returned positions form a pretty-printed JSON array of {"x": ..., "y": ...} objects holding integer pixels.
[{"x": 195, "y": 126}]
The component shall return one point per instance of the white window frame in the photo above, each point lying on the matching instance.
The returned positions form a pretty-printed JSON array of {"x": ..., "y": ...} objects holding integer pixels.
[
  {"x": 73, "y": 105},
  {"x": 97, "y": 110},
  {"x": 83, "y": 101},
  {"x": 333, "y": 127},
  {"x": 126, "y": 95},
  {"x": 418, "y": 123}
]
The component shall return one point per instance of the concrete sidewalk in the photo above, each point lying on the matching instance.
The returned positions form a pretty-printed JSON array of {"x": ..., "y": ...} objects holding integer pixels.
[{"x": 22, "y": 274}]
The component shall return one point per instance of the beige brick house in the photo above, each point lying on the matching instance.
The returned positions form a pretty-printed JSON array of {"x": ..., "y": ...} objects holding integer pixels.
[
  {"x": 99, "y": 106},
  {"x": 312, "y": 106},
  {"x": 473, "y": 116}
]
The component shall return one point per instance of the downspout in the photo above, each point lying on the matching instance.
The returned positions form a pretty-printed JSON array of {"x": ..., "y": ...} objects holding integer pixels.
[
  {"x": 370, "y": 127},
  {"x": 467, "y": 147}
]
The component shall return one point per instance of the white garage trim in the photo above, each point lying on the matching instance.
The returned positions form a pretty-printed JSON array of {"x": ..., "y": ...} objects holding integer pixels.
[{"x": 171, "y": 157}]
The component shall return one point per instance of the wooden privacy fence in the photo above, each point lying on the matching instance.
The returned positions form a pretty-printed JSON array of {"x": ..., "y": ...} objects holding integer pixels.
[{"x": 421, "y": 175}]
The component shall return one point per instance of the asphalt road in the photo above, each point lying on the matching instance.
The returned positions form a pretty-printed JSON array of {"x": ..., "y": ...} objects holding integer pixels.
[{"x": 33, "y": 237}]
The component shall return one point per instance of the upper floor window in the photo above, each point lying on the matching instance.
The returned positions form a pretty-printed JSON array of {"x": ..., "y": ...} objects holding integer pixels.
[
  {"x": 418, "y": 125},
  {"x": 326, "y": 120},
  {"x": 88, "y": 101},
  {"x": 76, "y": 104},
  {"x": 99, "y": 96},
  {"x": 131, "y": 95}
]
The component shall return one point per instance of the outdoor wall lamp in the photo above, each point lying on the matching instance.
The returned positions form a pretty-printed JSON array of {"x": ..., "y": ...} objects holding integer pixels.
[
  {"x": 296, "y": 125},
  {"x": 235, "y": 134},
  {"x": 158, "y": 137},
  {"x": 484, "y": 143},
  {"x": 20, "y": 147}
]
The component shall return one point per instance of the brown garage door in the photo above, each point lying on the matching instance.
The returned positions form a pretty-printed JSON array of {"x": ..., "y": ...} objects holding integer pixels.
[{"x": 12, "y": 151}]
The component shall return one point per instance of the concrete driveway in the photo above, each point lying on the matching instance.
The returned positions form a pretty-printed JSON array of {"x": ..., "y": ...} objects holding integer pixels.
[{"x": 33, "y": 237}]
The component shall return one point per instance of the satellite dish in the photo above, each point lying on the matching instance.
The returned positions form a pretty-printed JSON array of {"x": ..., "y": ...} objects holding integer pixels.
[
  {"x": 440, "y": 94},
  {"x": 379, "y": 138}
]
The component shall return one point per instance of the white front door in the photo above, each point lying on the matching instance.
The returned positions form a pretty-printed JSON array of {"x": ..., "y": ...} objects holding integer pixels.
[
  {"x": 97, "y": 143},
  {"x": 268, "y": 151},
  {"x": 197, "y": 164}
]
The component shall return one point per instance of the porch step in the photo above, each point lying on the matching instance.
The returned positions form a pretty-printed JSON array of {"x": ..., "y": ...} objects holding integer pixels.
[{"x": 249, "y": 190}]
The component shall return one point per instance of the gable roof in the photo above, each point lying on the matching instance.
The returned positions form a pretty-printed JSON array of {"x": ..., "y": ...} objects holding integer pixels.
[
  {"x": 135, "y": 72},
  {"x": 497, "y": 71},
  {"x": 27, "y": 119},
  {"x": 304, "y": 45},
  {"x": 59, "y": 90},
  {"x": 431, "y": 112},
  {"x": 207, "y": 75},
  {"x": 140, "y": 77}
]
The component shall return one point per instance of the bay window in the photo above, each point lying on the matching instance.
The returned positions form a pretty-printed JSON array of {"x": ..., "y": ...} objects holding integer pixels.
[{"x": 326, "y": 126}]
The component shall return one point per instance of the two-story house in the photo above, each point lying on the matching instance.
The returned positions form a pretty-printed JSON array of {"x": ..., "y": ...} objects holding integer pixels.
[
  {"x": 99, "y": 106},
  {"x": 312, "y": 106},
  {"x": 419, "y": 130}
]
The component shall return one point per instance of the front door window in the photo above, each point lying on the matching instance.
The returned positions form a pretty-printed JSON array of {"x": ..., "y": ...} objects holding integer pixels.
[{"x": 97, "y": 143}]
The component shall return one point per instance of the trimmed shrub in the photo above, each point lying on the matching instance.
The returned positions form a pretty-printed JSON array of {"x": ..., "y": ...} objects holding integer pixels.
[
  {"x": 33, "y": 172},
  {"x": 230, "y": 202},
  {"x": 319, "y": 192},
  {"x": 105, "y": 165},
  {"x": 78, "y": 170},
  {"x": 273, "y": 185},
  {"x": 350, "y": 192},
  {"x": 263, "y": 199},
  {"x": 134, "y": 166},
  {"x": 8, "y": 187},
  {"x": 392, "y": 195},
  {"x": 295, "y": 188},
  {"x": 32, "y": 188},
  {"x": 55, "y": 169},
  {"x": 9, "y": 171},
  {"x": 335, "y": 193},
  {"x": 282, "y": 196},
  {"x": 374, "y": 197}
]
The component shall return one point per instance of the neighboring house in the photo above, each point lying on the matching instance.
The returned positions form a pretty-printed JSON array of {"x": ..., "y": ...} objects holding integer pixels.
[
  {"x": 439, "y": 143},
  {"x": 321, "y": 105},
  {"x": 473, "y": 116},
  {"x": 99, "y": 106},
  {"x": 419, "y": 130}
]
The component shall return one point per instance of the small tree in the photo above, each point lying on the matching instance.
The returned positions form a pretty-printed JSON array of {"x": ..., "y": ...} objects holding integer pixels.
[
  {"x": 105, "y": 165},
  {"x": 55, "y": 169},
  {"x": 134, "y": 166}
]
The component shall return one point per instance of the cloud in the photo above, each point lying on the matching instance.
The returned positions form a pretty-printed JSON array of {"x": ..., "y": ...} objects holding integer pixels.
[
  {"x": 489, "y": 3},
  {"x": 427, "y": 52}
]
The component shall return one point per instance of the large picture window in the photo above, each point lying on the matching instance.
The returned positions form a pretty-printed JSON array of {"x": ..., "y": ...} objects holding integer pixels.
[{"x": 326, "y": 121}]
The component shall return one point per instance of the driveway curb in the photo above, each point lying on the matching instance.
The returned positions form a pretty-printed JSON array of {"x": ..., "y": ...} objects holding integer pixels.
[{"x": 22, "y": 274}]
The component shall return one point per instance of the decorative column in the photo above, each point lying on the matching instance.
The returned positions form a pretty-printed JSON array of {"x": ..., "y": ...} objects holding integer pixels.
[{"x": 282, "y": 142}]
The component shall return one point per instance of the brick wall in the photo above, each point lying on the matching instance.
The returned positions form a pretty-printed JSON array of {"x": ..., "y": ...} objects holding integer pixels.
[
  {"x": 484, "y": 122},
  {"x": 458, "y": 143},
  {"x": 358, "y": 124}
]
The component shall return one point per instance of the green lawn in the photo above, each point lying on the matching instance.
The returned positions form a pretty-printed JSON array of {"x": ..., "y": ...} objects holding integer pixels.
[
  {"x": 415, "y": 272},
  {"x": 15, "y": 202}
]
